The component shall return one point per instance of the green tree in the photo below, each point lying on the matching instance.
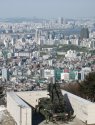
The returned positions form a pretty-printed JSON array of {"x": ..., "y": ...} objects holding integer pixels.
[{"x": 87, "y": 87}]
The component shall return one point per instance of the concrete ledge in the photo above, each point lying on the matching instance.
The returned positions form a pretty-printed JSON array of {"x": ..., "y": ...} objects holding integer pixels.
[
  {"x": 18, "y": 109},
  {"x": 83, "y": 109}
]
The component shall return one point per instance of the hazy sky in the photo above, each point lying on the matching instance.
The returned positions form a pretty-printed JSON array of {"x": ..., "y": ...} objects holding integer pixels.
[{"x": 47, "y": 8}]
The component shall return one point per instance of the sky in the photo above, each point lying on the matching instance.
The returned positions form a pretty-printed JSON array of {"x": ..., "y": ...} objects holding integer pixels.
[{"x": 47, "y": 8}]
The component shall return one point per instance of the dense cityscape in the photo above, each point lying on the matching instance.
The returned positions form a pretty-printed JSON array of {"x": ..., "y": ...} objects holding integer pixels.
[
  {"x": 37, "y": 52},
  {"x": 47, "y": 62},
  {"x": 33, "y": 53}
]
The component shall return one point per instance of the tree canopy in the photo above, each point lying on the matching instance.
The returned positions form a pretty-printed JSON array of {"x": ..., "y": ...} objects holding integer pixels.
[{"x": 84, "y": 89}]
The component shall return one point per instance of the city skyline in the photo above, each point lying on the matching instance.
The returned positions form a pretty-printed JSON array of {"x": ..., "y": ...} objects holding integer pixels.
[{"x": 47, "y": 9}]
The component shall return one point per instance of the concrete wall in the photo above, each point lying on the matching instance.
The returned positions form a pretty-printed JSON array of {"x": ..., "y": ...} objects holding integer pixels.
[
  {"x": 19, "y": 110},
  {"x": 83, "y": 109}
]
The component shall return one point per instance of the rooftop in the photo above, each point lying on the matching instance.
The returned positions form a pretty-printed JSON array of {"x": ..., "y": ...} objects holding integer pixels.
[
  {"x": 19, "y": 101},
  {"x": 31, "y": 97}
]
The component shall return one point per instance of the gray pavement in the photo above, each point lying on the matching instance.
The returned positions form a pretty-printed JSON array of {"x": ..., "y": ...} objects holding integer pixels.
[{"x": 74, "y": 122}]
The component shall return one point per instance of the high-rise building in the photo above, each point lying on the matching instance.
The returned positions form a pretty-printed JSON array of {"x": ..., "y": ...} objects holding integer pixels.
[
  {"x": 60, "y": 20},
  {"x": 37, "y": 36},
  {"x": 84, "y": 33},
  {"x": 5, "y": 74}
]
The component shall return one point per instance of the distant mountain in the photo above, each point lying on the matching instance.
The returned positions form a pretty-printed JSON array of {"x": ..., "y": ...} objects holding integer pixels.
[{"x": 22, "y": 19}]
